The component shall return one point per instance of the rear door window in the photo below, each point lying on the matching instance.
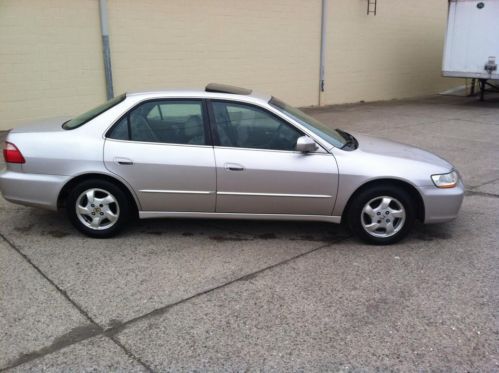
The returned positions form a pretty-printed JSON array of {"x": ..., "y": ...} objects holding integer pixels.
[{"x": 163, "y": 121}]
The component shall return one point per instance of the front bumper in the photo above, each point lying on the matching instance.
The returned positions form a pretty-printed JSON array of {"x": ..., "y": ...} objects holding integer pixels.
[
  {"x": 31, "y": 189},
  {"x": 442, "y": 205}
]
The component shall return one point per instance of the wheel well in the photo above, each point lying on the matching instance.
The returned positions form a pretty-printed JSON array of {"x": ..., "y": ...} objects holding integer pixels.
[
  {"x": 61, "y": 200},
  {"x": 411, "y": 190}
]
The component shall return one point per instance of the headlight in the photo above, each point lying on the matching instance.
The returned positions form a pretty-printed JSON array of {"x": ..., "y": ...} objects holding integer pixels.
[{"x": 445, "y": 180}]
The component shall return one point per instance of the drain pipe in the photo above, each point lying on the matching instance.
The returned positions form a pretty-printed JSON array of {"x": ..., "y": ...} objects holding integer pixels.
[
  {"x": 104, "y": 27},
  {"x": 322, "y": 50}
]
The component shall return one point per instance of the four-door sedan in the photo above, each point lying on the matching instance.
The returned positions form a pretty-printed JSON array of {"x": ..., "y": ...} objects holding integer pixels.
[{"x": 224, "y": 152}]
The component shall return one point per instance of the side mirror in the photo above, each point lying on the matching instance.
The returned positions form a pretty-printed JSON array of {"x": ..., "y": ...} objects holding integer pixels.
[{"x": 305, "y": 144}]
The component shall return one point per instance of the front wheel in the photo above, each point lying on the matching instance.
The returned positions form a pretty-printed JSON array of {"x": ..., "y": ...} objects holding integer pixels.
[
  {"x": 382, "y": 215},
  {"x": 98, "y": 208}
]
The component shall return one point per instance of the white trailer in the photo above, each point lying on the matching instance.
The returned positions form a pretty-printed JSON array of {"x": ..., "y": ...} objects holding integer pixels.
[{"x": 472, "y": 41}]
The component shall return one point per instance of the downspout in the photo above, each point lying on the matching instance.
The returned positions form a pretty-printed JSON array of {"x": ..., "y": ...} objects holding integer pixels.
[
  {"x": 104, "y": 27},
  {"x": 322, "y": 51}
]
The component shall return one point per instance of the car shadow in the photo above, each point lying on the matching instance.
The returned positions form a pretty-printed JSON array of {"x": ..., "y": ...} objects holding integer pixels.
[{"x": 31, "y": 221}]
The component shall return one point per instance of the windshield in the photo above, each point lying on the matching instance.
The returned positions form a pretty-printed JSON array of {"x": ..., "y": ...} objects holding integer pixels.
[
  {"x": 330, "y": 135},
  {"x": 91, "y": 114}
]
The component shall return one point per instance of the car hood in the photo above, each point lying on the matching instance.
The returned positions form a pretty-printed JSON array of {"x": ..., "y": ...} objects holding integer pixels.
[
  {"x": 384, "y": 159},
  {"x": 43, "y": 125},
  {"x": 393, "y": 149}
]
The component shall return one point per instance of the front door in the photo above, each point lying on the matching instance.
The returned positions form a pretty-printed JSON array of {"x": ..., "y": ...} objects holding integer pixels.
[
  {"x": 260, "y": 172},
  {"x": 161, "y": 149}
]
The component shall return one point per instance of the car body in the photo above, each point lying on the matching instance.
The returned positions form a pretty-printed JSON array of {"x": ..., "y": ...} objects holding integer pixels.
[{"x": 222, "y": 152}]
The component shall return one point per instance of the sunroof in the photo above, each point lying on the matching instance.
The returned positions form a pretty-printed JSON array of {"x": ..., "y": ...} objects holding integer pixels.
[{"x": 225, "y": 88}]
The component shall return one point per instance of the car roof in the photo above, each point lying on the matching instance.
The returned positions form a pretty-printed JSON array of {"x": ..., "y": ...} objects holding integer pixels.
[{"x": 212, "y": 90}]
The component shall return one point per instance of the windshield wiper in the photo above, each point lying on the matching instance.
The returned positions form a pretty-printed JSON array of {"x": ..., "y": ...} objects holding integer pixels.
[{"x": 351, "y": 142}]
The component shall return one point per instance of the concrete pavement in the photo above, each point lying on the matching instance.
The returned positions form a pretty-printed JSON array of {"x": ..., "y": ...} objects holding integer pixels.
[{"x": 175, "y": 295}]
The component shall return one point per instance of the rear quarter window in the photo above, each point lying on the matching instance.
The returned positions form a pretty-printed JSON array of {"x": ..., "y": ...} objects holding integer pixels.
[{"x": 81, "y": 119}]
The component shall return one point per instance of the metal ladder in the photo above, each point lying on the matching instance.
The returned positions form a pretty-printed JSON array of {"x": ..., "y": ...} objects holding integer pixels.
[{"x": 371, "y": 6}]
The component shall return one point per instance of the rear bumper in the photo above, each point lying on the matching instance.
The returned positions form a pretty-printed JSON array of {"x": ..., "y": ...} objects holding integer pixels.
[
  {"x": 31, "y": 189},
  {"x": 442, "y": 205}
]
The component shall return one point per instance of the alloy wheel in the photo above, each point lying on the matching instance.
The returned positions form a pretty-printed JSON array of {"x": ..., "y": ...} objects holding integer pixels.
[
  {"x": 97, "y": 209},
  {"x": 383, "y": 216}
]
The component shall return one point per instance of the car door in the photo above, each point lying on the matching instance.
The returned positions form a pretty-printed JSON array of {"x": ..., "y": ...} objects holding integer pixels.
[
  {"x": 162, "y": 149},
  {"x": 258, "y": 169}
]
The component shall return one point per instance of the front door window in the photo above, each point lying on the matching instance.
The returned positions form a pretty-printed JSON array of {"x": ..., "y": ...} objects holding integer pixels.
[{"x": 246, "y": 126}]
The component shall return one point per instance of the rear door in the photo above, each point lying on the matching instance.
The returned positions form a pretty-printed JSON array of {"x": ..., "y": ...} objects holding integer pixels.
[
  {"x": 162, "y": 149},
  {"x": 260, "y": 172}
]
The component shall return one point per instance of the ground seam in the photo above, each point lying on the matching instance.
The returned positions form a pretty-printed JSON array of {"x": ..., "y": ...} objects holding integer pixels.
[
  {"x": 486, "y": 183},
  {"x": 111, "y": 332},
  {"x": 75, "y": 304},
  {"x": 159, "y": 311}
]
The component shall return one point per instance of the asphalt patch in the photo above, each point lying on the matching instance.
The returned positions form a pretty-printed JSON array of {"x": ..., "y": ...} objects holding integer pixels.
[
  {"x": 75, "y": 335},
  {"x": 25, "y": 229},
  {"x": 57, "y": 234},
  {"x": 267, "y": 236}
]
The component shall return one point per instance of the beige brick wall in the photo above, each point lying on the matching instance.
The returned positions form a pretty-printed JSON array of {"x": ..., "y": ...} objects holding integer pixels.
[
  {"x": 397, "y": 53},
  {"x": 51, "y": 53},
  {"x": 272, "y": 46},
  {"x": 50, "y": 59}
]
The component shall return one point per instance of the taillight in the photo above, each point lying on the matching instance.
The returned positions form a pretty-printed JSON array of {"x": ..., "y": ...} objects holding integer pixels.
[{"x": 12, "y": 154}]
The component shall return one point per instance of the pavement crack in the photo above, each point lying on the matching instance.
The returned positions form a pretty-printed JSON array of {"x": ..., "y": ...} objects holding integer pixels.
[
  {"x": 85, "y": 332},
  {"x": 51, "y": 282},
  {"x": 76, "y": 335},
  {"x": 487, "y": 182},
  {"x": 481, "y": 194},
  {"x": 130, "y": 353},
  {"x": 113, "y": 331}
]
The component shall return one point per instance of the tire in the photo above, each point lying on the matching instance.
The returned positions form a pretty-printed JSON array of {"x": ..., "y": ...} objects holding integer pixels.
[
  {"x": 378, "y": 222},
  {"x": 104, "y": 218}
]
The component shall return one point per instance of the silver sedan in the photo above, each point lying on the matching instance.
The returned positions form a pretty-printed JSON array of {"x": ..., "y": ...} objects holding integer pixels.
[{"x": 223, "y": 152}]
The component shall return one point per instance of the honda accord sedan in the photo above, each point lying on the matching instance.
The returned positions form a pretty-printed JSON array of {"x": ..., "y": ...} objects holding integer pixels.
[{"x": 225, "y": 153}]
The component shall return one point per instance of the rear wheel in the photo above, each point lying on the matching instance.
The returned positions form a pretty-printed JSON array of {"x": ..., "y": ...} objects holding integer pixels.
[
  {"x": 98, "y": 208},
  {"x": 382, "y": 214}
]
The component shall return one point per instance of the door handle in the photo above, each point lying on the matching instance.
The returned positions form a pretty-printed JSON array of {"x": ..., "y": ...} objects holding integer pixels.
[
  {"x": 123, "y": 161},
  {"x": 233, "y": 167}
]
